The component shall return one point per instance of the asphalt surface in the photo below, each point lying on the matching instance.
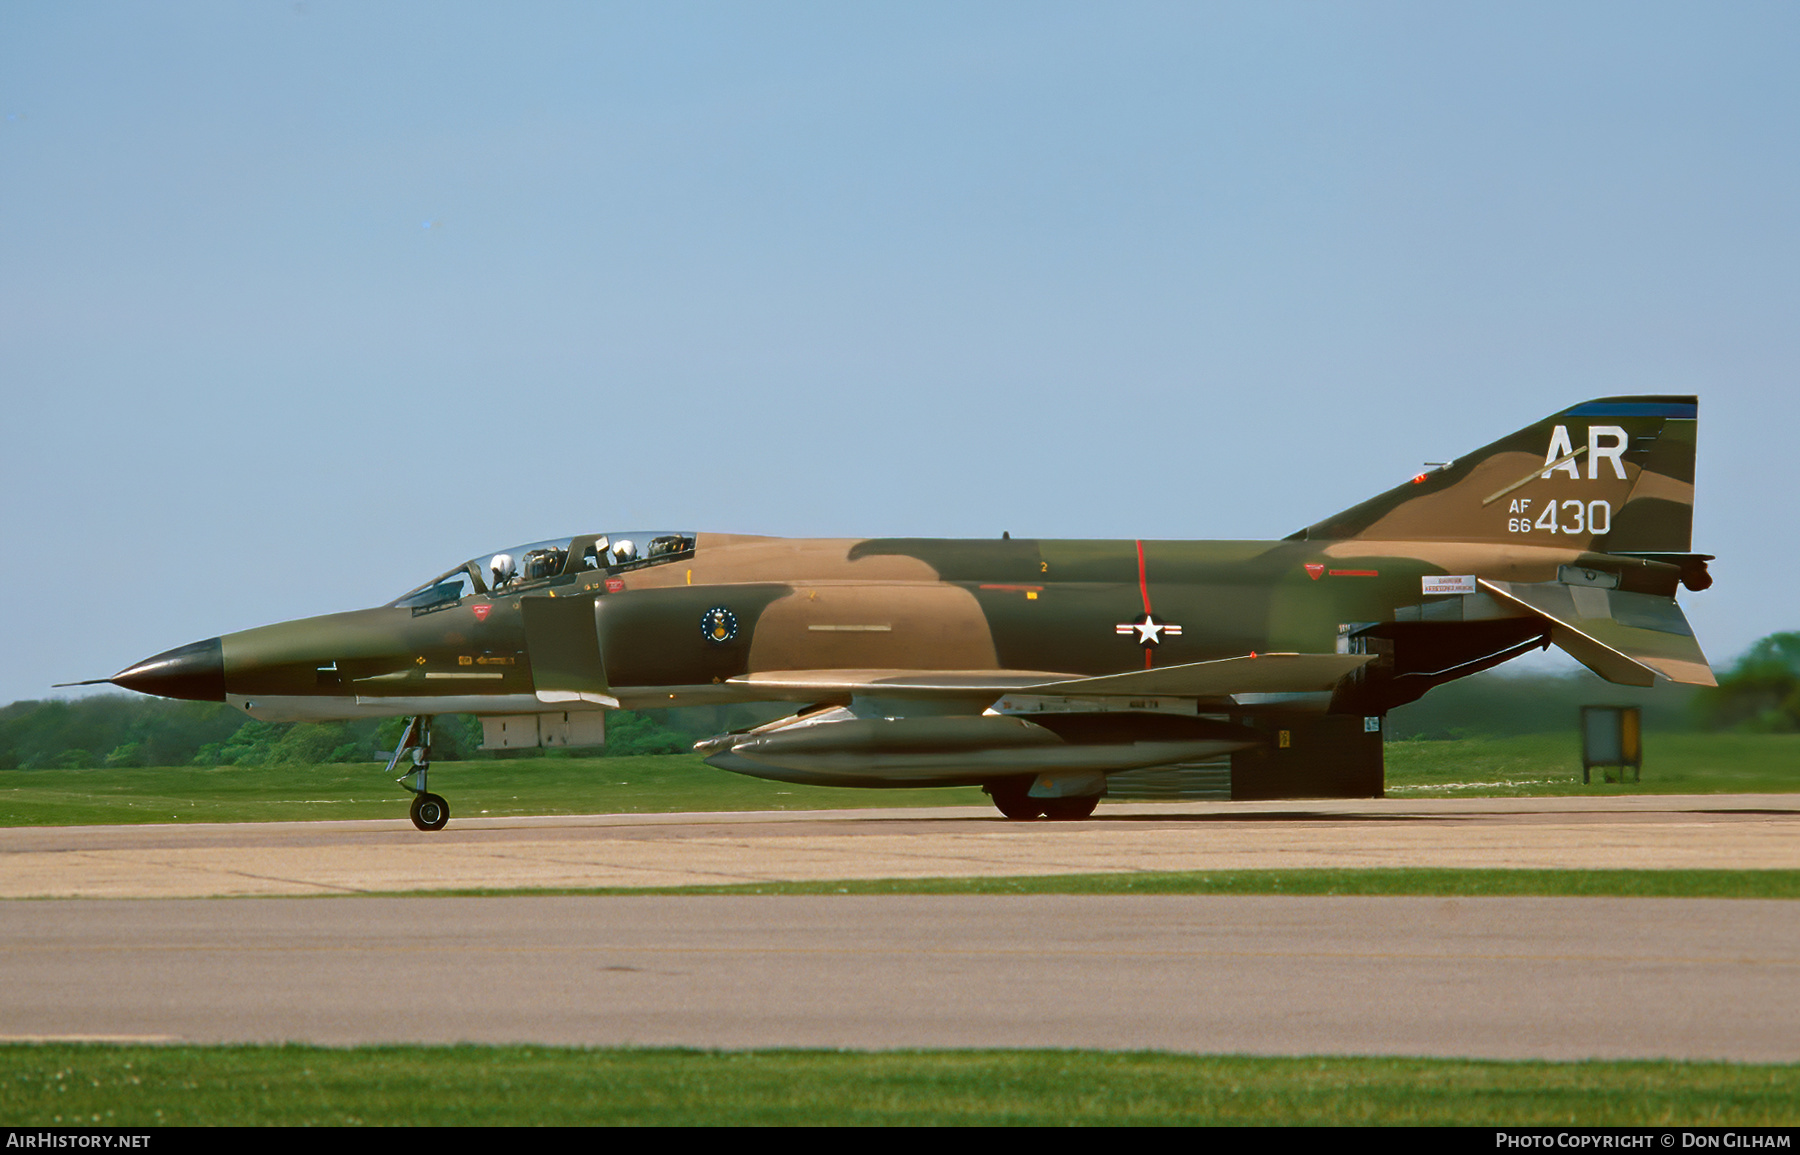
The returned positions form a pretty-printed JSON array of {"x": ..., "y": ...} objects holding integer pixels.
[{"x": 1492, "y": 978}]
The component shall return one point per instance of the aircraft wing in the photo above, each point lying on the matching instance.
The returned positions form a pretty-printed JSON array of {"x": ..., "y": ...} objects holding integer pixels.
[
  {"x": 1629, "y": 638},
  {"x": 896, "y": 683},
  {"x": 1247, "y": 674},
  {"x": 1282, "y": 673}
]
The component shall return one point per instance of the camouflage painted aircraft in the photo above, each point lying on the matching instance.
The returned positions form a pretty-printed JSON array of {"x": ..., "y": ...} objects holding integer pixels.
[{"x": 1032, "y": 668}]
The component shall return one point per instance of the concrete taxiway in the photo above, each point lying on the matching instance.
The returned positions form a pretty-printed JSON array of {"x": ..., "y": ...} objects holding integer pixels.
[
  {"x": 648, "y": 850},
  {"x": 1494, "y": 978}
]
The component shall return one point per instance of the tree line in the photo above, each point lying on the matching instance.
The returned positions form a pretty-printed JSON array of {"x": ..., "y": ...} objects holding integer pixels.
[{"x": 125, "y": 730}]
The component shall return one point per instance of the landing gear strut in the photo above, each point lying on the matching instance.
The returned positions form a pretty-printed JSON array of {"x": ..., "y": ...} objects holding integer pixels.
[{"x": 429, "y": 811}]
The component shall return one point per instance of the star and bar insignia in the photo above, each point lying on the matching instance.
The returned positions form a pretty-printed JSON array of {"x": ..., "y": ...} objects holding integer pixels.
[{"x": 1150, "y": 630}]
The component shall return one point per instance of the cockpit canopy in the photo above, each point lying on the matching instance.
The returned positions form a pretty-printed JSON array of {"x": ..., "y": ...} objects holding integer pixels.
[{"x": 543, "y": 564}]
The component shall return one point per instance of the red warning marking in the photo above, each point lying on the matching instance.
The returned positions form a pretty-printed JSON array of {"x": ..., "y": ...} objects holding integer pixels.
[
  {"x": 614, "y": 585},
  {"x": 1143, "y": 578},
  {"x": 1354, "y": 573},
  {"x": 482, "y": 610},
  {"x": 1315, "y": 572},
  {"x": 1144, "y": 586}
]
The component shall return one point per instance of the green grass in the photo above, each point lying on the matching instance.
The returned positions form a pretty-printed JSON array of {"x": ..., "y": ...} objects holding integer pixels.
[
  {"x": 1465, "y": 767},
  {"x": 647, "y": 784},
  {"x": 1379, "y": 881},
  {"x": 56, "y": 1084},
  {"x": 1550, "y": 764},
  {"x": 127, "y": 1086}
]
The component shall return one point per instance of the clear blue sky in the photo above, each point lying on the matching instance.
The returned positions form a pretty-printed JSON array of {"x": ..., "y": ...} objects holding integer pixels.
[{"x": 301, "y": 303}]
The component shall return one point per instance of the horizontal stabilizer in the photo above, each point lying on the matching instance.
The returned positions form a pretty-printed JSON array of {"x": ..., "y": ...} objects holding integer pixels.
[{"x": 1628, "y": 638}]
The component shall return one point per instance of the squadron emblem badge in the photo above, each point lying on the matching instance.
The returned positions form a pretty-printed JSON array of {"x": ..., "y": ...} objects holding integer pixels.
[{"x": 719, "y": 625}]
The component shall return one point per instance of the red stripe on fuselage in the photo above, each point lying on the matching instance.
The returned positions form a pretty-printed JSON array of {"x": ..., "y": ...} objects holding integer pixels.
[{"x": 1144, "y": 586}]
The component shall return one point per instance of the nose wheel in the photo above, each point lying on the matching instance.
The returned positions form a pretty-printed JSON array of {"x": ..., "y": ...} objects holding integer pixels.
[{"x": 429, "y": 811}]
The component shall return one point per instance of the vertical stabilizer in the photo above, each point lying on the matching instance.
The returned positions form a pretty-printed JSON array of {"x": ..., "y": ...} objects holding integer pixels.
[{"x": 1615, "y": 475}]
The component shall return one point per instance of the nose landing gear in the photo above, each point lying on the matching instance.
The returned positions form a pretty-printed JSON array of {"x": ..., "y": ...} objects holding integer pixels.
[{"x": 429, "y": 811}]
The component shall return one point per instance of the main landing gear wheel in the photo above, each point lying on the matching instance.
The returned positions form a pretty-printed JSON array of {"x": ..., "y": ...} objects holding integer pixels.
[
  {"x": 430, "y": 812},
  {"x": 1069, "y": 809},
  {"x": 1013, "y": 798}
]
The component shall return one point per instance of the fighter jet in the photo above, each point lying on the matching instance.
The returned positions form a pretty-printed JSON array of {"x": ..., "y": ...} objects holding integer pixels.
[{"x": 1033, "y": 668}]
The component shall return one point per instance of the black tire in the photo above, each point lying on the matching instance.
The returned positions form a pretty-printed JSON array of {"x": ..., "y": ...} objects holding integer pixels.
[
  {"x": 1070, "y": 809},
  {"x": 429, "y": 812},
  {"x": 1013, "y": 798}
]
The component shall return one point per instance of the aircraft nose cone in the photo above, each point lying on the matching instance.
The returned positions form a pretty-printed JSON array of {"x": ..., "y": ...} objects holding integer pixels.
[{"x": 195, "y": 672}]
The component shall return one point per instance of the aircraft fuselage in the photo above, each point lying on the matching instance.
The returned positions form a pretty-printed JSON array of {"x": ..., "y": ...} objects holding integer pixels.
[
  {"x": 692, "y": 631},
  {"x": 1018, "y": 662}
]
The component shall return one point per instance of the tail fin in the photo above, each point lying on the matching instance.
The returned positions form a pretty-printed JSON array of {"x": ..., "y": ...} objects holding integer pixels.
[{"x": 1614, "y": 475}]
